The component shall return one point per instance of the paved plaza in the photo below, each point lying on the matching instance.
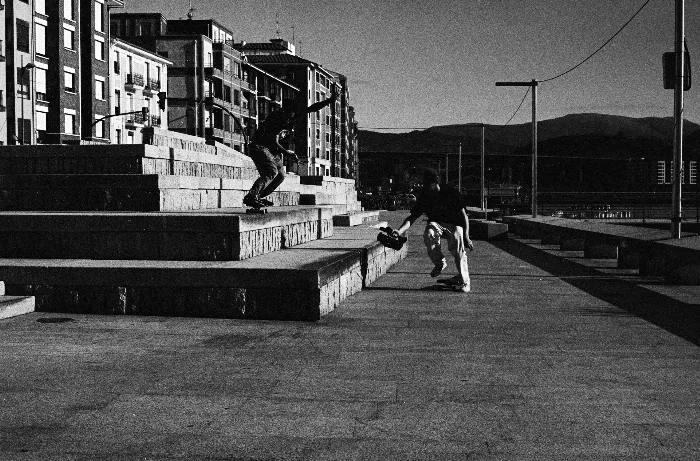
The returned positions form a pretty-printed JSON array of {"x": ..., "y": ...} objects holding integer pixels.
[{"x": 550, "y": 357}]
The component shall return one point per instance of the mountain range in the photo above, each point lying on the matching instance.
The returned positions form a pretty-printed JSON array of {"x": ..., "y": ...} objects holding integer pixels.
[{"x": 590, "y": 134}]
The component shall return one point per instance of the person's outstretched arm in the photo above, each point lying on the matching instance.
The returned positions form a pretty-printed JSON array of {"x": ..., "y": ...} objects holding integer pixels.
[
  {"x": 321, "y": 104},
  {"x": 467, "y": 241}
]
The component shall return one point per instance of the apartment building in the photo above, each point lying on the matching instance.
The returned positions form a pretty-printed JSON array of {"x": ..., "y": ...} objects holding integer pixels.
[
  {"x": 56, "y": 68},
  {"x": 213, "y": 91},
  {"x": 318, "y": 136},
  {"x": 139, "y": 81},
  {"x": 3, "y": 80}
]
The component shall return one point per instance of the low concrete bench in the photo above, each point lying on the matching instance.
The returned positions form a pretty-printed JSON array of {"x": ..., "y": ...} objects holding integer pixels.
[
  {"x": 12, "y": 306},
  {"x": 356, "y": 218},
  {"x": 650, "y": 250}
]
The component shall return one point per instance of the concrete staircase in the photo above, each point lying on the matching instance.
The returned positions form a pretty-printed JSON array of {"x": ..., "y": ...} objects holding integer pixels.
[{"x": 159, "y": 230}]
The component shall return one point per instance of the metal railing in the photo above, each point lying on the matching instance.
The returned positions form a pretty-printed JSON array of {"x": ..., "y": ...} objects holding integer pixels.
[{"x": 135, "y": 79}]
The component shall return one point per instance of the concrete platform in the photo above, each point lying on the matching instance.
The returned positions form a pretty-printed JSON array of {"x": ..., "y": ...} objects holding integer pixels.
[
  {"x": 218, "y": 235},
  {"x": 303, "y": 283}
]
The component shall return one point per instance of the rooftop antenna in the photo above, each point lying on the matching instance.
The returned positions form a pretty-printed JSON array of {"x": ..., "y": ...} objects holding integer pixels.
[
  {"x": 190, "y": 12},
  {"x": 277, "y": 21},
  {"x": 292, "y": 34}
]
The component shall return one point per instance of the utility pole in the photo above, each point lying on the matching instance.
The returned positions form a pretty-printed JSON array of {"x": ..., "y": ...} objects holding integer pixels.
[
  {"x": 678, "y": 119},
  {"x": 459, "y": 178},
  {"x": 532, "y": 84},
  {"x": 483, "y": 129}
]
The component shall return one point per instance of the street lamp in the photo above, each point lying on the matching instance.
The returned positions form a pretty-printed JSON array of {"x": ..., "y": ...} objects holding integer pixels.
[{"x": 29, "y": 65}]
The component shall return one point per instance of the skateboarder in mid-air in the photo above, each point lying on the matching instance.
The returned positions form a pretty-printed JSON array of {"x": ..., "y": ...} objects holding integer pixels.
[
  {"x": 447, "y": 219},
  {"x": 266, "y": 151}
]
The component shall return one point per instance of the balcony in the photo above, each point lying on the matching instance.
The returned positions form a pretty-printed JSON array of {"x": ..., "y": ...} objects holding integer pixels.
[
  {"x": 211, "y": 71},
  {"x": 134, "y": 120},
  {"x": 134, "y": 81},
  {"x": 211, "y": 98},
  {"x": 153, "y": 86},
  {"x": 155, "y": 120}
]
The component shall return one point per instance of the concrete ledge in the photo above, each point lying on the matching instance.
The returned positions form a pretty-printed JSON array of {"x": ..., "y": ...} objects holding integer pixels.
[
  {"x": 487, "y": 230},
  {"x": 651, "y": 250},
  {"x": 355, "y": 218},
  {"x": 128, "y": 193},
  {"x": 214, "y": 236},
  {"x": 12, "y": 306}
]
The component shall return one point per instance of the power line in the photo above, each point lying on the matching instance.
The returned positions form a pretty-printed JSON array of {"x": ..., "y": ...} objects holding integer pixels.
[
  {"x": 516, "y": 110},
  {"x": 601, "y": 47}
]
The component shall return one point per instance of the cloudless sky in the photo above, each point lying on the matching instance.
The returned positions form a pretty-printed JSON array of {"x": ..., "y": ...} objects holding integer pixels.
[{"x": 419, "y": 64}]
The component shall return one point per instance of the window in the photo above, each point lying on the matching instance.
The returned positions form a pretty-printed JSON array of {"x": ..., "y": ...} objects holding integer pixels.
[
  {"x": 318, "y": 152},
  {"x": 40, "y": 6},
  {"x": 236, "y": 97},
  {"x": 23, "y": 79},
  {"x": 22, "y": 36},
  {"x": 40, "y": 85},
  {"x": 99, "y": 127},
  {"x": 99, "y": 17},
  {"x": 661, "y": 170},
  {"x": 693, "y": 172},
  {"x": 68, "y": 38},
  {"x": 40, "y": 125},
  {"x": 118, "y": 136},
  {"x": 99, "y": 88},
  {"x": 227, "y": 64},
  {"x": 318, "y": 133},
  {"x": 117, "y": 102},
  {"x": 99, "y": 50},
  {"x": 130, "y": 137},
  {"x": 68, "y": 9},
  {"x": 69, "y": 120},
  {"x": 117, "y": 62},
  {"x": 69, "y": 79},
  {"x": 227, "y": 93},
  {"x": 40, "y": 33}
]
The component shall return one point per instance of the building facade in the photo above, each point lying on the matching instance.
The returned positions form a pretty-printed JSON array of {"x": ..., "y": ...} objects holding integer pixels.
[
  {"x": 138, "y": 80},
  {"x": 56, "y": 70},
  {"x": 327, "y": 140},
  {"x": 213, "y": 91}
]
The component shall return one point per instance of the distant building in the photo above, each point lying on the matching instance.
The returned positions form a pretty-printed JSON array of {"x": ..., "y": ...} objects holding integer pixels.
[
  {"x": 138, "y": 77},
  {"x": 56, "y": 77}
]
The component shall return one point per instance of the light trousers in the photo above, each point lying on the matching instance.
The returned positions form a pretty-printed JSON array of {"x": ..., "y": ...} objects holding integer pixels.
[{"x": 434, "y": 233}]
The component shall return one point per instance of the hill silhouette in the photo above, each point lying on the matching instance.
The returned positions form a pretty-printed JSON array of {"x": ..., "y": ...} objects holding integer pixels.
[{"x": 572, "y": 131}]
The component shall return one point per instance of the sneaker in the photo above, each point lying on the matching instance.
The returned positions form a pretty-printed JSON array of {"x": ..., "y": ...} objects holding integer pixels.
[
  {"x": 266, "y": 202},
  {"x": 452, "y": 281},
  {"x": 462, "y": 287},
  {"x": 437, "y": 270},
  {"x": 250, "y": 200}
]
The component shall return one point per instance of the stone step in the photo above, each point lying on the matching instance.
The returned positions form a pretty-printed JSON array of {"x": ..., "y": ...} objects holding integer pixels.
[
  {"x": 12, "y": 306},
  {"x": 217, "y": 235},
  {"x": 126, "y": 159},
  {"x": 303, "y": 283},
  {"x": 355, "y": 218},
  {"x": 112, "y": 192}
]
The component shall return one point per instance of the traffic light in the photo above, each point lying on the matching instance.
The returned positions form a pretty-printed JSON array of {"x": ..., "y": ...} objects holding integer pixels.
[
  {"x": 144, "y": 112},
  {"x": 162, "y": 96}
]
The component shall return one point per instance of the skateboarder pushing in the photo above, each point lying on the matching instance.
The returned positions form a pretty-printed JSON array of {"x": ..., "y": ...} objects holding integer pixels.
[
  {"x": 266, "y": 150},
  {"x": 447, "y": 219}
]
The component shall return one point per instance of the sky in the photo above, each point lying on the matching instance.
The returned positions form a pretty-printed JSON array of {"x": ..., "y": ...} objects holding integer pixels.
[{"x": 416, "y": 64}]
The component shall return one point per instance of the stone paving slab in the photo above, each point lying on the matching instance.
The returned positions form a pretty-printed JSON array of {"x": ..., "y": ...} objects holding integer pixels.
[{"x": 531, "y": 365}]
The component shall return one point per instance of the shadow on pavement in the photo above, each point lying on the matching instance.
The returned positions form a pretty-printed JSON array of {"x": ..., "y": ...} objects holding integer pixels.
[{"x": 677, "y": 317}]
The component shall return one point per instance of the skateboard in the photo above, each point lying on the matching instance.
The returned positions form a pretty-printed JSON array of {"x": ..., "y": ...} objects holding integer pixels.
[
  {"x": 450, "y": 282},
  {"x": 258, "y": 208},
  {"x": 389, "y": 238}
]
